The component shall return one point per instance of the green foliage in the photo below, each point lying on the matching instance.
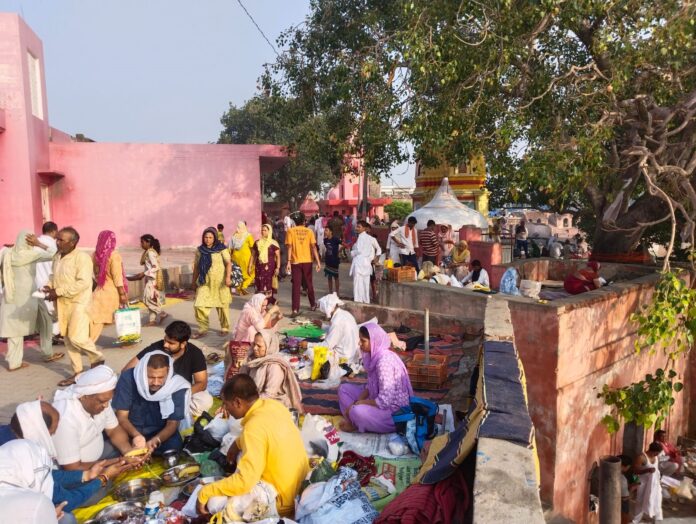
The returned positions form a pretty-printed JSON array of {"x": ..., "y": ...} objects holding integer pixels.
[
  {"x": 563, "y": 98},
  {"x": 314, "y": 158},
  {"x": 668, "y": 323},
  {"x": 646, "y": 403},
  {"x": 399, "y": 209}
]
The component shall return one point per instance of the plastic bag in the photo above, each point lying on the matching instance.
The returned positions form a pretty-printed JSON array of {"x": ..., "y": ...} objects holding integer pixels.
[
  {"x": 321, "y": 356},
  {"x": 127, "y": 324},
  {"x": 339, "y": 499},
  {"x": 530, "y": 288},
  {"x": 320, "y": 437},
  {"x": 397, "y": 445}
]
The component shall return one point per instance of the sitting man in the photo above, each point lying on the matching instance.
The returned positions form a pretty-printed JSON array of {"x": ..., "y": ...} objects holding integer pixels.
[
  {"x": 189, "y": 363},
  {"x": 150, "y": 402},
  {"x": 30, "y": 421},
  {"x": 342, "y": 335},
  {"x": 478, "y": 275},
  {"x": 85, "y": 416},
  {"x": 670, "y": 460},
  {"x": 270, "y": 444}
]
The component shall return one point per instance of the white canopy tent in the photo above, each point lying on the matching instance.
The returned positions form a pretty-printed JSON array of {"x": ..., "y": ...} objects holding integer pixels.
[{"x": 445, "y": 208}]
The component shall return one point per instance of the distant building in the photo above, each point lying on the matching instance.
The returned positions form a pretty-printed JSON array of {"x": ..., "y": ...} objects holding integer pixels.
[{"x": 398, "y": 193}]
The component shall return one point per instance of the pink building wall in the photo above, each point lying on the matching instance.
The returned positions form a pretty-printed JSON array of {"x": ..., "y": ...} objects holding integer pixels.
[
  {"x": 24, "y": 143},
  {"x": 172, "y": 191}
]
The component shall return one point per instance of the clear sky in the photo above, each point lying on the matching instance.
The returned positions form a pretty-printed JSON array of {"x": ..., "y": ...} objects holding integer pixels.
[{"x": 154, "y": 70}]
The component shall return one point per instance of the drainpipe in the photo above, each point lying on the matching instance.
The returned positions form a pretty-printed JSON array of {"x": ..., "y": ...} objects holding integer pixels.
[{"x": 609, "y": 490}]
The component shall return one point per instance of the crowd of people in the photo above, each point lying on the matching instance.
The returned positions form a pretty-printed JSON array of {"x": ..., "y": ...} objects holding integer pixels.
[{"x": 59, "y": 455}]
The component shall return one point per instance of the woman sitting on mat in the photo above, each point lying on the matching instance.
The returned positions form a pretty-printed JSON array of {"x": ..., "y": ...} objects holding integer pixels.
[
  {"x": 370, "y": 408},
  {"x": 272, "y": 374}
]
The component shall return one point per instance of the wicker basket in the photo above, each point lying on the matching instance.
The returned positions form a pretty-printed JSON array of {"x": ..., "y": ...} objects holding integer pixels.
[
  {"x": 401, "y": 274},
  {"x": 427, "y": 376}
]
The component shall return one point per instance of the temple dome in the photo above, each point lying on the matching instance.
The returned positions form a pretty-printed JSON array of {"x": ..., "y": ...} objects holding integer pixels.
[{"x": 445, "y": 208}]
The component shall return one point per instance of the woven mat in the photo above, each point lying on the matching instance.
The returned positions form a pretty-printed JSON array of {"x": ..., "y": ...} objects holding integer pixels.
[{"x": 325, "y": 401}]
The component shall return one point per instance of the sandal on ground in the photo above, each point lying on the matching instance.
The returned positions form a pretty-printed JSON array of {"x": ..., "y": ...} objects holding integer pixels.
[
  {"x": 54, "y": 357},
  {"x": 294, "y": 314},
  {"x": 213, "y": 358},
  {"x": 21, "y": 366},
  {"x": 314, "y": 308},
  {"x": 67, "y": 381}
]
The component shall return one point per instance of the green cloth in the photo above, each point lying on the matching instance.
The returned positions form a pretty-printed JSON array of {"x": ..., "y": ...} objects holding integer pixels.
[{"x": 308, "y": 331}]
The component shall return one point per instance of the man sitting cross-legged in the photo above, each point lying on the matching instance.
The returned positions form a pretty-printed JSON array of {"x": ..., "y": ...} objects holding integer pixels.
[
  {"x": 271, "y": 448},
  {"x": 150, "y": 402}
]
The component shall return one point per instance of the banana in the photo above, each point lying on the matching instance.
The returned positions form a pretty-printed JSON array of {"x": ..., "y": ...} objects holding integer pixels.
[
  {"x": 189, "y": 470},
  {"x": 136, "y": 452}
]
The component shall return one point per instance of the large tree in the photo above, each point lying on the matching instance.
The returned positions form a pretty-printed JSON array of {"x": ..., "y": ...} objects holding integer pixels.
[
  {"x": 315, "y": 159},
  {"x": 590, "y": 102}
]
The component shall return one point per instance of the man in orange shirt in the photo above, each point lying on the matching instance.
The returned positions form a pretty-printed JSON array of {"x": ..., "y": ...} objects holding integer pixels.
[{"x": 302, "y": 248}]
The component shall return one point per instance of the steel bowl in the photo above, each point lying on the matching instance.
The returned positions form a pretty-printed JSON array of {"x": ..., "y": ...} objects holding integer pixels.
[
  {"x": 173, "y": 476},
  {"x": 136, "y": 490},
  {"x": 120, "y": 511},
  {"x": 188, "y": 488},
  {"x": 171, "y": 457}
]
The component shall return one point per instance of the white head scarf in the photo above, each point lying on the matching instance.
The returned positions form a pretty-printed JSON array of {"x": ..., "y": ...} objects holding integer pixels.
[
  {"x": 96, "y": 380},
  {"x": 163, "y": 395},
  {"x": 34, "y": 427},
  {"x": 328, "y": 303},
  {"x": 25, "y": 464}
]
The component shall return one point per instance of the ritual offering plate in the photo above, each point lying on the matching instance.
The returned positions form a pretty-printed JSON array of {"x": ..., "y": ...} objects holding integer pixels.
[
  {"x": 188, "y": 488},
  {"x": 136, "y": 490},
  {"x": 181, "y": 474},
  {"x": 120, "y": 512}
]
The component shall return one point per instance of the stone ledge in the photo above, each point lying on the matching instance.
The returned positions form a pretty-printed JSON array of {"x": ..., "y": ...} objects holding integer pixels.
[{"x": 505, "y": 484}]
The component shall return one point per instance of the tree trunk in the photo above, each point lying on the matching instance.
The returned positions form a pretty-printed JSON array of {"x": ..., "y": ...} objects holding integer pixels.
[
  {"x": 615, "y": 242},
  {"x": 624, "y": 235}
]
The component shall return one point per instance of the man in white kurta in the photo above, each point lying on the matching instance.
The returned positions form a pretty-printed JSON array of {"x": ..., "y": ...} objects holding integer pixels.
[
  {"x": 44, "y": 322},
  {"x": 363, "y": 253},
  {"x": 18, "y": 308},
  {"x": 342, "y": 336},
  {"x": 71, "y": 287}
]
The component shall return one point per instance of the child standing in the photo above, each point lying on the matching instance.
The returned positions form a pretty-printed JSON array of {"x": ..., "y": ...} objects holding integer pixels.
[{"x": 332, "y": 258}]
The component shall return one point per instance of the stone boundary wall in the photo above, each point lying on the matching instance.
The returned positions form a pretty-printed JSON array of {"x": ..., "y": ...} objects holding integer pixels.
[{"x": 569, "y": 349}]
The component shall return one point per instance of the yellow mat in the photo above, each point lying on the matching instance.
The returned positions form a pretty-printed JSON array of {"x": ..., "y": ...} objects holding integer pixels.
[{"x": 156, "y": 468}]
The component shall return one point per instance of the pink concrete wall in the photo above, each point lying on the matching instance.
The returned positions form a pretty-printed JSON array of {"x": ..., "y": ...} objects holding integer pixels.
[
  {"x": 171, "y": 191},
  {"x": 24, "y": 144},
  {"x": 569, "y": 352}
]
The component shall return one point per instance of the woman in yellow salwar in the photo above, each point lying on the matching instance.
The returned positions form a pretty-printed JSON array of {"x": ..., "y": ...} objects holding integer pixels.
[
  {"x": 241, "y": 245},
  {"x": 212, "y": 269}
]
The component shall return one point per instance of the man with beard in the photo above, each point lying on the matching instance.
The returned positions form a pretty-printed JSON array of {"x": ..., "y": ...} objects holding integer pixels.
[{"x": 150, "y": 402}]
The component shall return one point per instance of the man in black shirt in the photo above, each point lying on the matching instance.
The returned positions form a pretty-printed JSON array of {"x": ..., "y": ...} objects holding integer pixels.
[{"x": 189, "y": 363}]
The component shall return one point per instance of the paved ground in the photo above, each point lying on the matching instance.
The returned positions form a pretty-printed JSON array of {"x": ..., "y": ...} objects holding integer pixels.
[{"x": 40, "y": 379}]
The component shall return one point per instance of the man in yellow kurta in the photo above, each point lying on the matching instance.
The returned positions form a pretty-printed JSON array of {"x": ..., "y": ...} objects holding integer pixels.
[
  {"x": 71, "y": 287},
  {"x": 270, "y": 444}
]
